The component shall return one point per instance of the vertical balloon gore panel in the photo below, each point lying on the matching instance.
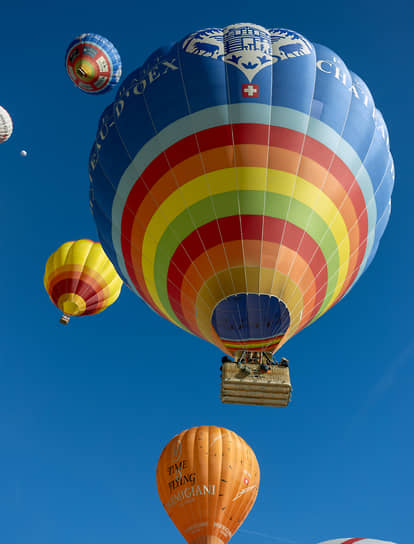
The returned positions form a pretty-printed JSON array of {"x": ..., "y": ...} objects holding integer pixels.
[{"x": 207, "y": 479}]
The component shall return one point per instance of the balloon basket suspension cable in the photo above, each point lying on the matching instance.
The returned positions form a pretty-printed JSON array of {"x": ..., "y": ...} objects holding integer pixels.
[
  {"x": 254, "y": 378},
  {"x": 64, "y": 319}
]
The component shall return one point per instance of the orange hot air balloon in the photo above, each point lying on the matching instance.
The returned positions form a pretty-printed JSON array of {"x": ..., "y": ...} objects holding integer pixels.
[{"x": 207, "y": 479}]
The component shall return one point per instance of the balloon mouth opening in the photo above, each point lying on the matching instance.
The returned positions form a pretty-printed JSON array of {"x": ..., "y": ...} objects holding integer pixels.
[
  {"x": 71, "y": 308},
  {"x": 71, "y": 304},
  {"x": 81, "y": 72},
  {"x": 84, "y": 71},
  {"x": 252, "y": 322},
  {"x": 207, "y": 539}
]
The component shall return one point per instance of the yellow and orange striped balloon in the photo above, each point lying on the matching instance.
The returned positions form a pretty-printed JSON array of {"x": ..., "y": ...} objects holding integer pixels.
[
  {"x": 80, "y": 279},
  {"x": 207, "y": 479}
]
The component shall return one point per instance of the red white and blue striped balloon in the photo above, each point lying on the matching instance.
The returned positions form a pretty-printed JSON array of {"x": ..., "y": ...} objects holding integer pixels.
[
  {"x": 241, "y": 183},
  {"x": 93, "y": 63},
  {"x": 356, "y": 541}
]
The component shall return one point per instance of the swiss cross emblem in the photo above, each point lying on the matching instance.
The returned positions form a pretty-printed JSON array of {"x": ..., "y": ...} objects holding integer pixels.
[
  {"x": 250, "y": 90},
  {"x": 246, "y": 481}
]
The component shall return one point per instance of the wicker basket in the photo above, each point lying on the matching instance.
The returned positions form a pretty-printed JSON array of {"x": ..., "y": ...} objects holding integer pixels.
[{"x": 247, "y": 384}]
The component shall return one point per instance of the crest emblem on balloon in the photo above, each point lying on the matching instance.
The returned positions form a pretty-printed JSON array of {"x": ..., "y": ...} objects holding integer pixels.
[{"x": 248, "y": 47}]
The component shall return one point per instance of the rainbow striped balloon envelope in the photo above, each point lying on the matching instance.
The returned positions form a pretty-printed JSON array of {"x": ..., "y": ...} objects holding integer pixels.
[
  {"x": 241, "y": 182},
  {"x": 80, "y": 279}
]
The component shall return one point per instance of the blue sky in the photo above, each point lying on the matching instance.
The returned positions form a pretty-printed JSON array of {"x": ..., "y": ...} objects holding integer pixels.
[{"x": 85, "y": 410}]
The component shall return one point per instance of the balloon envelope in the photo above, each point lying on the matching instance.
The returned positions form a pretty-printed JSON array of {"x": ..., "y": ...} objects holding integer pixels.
[
  {"x": 6, "y": 125},
  {"x": 356, "y": 541},
  {"x": 207, "y": 479},
  {"x": 241, "y": 182},
  {"x": 93, "y": 63},
  {"x": 80, "y": 279}
]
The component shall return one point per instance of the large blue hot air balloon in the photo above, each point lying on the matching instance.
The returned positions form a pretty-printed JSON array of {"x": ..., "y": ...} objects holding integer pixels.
[{"x": 241, "y": 182}]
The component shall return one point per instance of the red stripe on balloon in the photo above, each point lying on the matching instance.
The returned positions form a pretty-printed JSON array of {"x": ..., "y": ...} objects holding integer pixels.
[
  {"x": 79, "y": 287},
  {"x": 245, "y": 346}
]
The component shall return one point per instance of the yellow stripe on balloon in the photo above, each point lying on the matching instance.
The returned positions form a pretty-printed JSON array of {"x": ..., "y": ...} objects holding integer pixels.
[
  {"x": 97, "y": 260},
  {"x": 246, "y": 179},
  {"x": 57, "y": 259},
  {"x": 79, "y": 252},
  {"x": 72, "y": 253}
]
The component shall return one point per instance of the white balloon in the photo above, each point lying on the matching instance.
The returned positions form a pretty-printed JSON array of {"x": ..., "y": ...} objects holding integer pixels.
[
  {"x": 6, "y": 125},
  {"x": 23, "y": 153}
]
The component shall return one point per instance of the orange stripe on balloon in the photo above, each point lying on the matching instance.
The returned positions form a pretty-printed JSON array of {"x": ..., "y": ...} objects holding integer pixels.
[
  {"x": 301, "y": 274},
  {"x": 73, "y": 279},
  {"x": 76, "y": 271}
]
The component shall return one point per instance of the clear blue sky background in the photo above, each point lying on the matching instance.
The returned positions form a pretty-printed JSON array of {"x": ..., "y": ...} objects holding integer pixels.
[{"x": 86, "y": 410}]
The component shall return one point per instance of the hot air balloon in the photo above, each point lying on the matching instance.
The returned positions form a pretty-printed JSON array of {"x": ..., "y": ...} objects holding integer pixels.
[
  {"x": 80, "y": 279},
  {"x": 357, "y": 540},
  {"x": 207, "y": 479},
  {"x": 256, "y": 190},
  {"x": 93, "y": 63},
  {"x": 6, "y": 125}
]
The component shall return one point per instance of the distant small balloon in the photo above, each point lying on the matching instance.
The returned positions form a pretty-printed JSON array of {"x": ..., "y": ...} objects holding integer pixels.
[
  {"x": 93, "y": 63},
  {"x": 80, "y": 280},
  {"x": 23, "y": 153},
  {"x": 6, "y": 125},
  {"x": 356, "y": 540}
]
